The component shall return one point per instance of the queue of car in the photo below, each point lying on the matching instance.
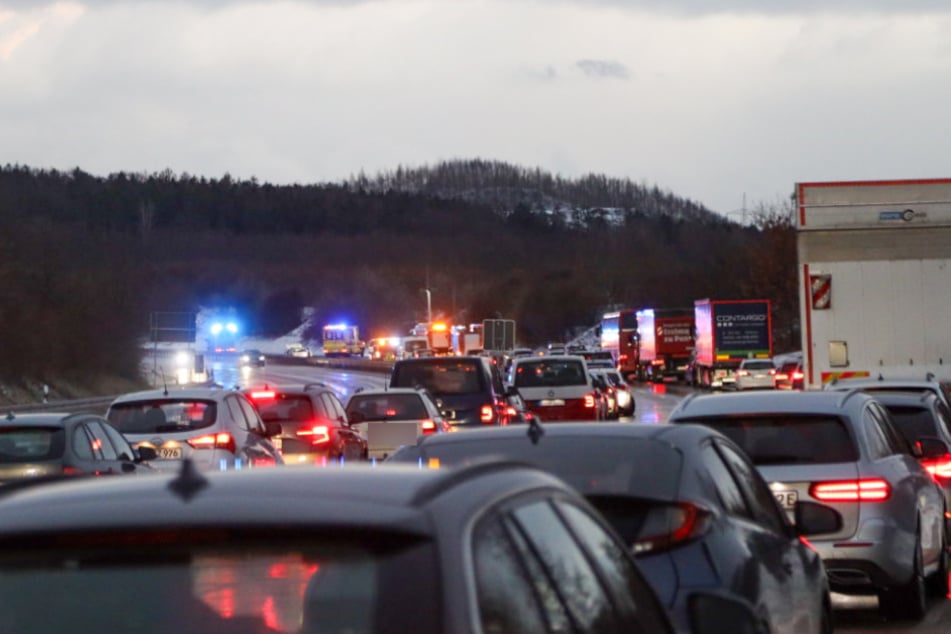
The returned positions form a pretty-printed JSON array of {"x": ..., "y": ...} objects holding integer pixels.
[{"x": 742, "y": 513}]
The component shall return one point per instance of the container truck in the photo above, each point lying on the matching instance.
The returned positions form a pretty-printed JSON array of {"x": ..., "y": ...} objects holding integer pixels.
[
  {"x": 728, "y": 331},
  {"x": 874, "y": 279},
  {"x": 665, "y": 339}
]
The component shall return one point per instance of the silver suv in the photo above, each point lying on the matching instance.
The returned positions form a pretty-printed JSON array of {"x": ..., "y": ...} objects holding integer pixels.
[
  {"x": 841, "y": 449},
  {"x": 218, "y": 429}
]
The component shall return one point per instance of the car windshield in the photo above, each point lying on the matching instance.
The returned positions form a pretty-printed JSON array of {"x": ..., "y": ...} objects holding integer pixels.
[
  {"x": 785, "y": 439},
  {"x": 390, "y": 406},
  {"x": 162, "y": 416},
  {"x": 150, "y": 587},
  {"x": 441, "y": 376},
  {"x": 31, "y": 444},
  {"x": 542, "y": 373}
]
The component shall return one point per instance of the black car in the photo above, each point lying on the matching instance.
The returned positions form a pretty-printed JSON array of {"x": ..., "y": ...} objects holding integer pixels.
[
  {"x": 498, "y": 547},
  {"x": 314, "y": 425},
  {"x": 688, "y": 503},
  {"x": 468, "y": 390},
  {"x": 48, "y": 444},
  {"x": 252, "y": 359}
]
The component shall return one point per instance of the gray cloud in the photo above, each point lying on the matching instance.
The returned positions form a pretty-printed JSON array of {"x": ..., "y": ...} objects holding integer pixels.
[{"x": 603, "y": 68}]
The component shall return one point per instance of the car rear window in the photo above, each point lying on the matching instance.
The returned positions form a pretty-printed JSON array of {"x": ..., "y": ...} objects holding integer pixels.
[
  {"x": 594, "y": 466},
  {"x": 778, "y": 440},
  {"x": 441, "y": 376},
  {"x": 31, "y": 444},
  {"x": 543, "y": 373},
  {"x": 285, "y": 407},
  {"x": 758, "y": 365},
  {"x": 157, "y": 587},
  {"x": 162, "y": 416},
  {"x": 363, "y": 407}
]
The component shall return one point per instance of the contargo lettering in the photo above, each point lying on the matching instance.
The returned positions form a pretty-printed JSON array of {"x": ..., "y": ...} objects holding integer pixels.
[{"x": 733, "y": 318}]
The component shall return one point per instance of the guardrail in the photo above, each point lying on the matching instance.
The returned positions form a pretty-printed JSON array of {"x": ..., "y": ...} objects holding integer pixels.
[{"x": 95, "y": 405}]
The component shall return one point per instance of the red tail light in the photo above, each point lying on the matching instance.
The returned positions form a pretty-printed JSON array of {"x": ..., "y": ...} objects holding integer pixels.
[
  {"x": 797, "y": 375},
  {"x": 68, "y": 470},
  {"x": 872, "y": 490},
  {"x": 319, "y": 434},
  {"x": 429, "y": 427},
  {"x": 939, "y": 468},
  {"x": 669, "y": 526},
  {"x": 772, "y": 372},
  {"x": 213, "y": 441},
  {"x": 589, "y": 401},
  {"x": 487, "y": 414},
  {"x": 742, "y": 372}
]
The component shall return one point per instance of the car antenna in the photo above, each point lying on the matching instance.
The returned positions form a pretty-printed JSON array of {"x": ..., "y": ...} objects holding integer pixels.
[
  {"x": 535, "y": 430},
  {"x": 188, "y": 482}
]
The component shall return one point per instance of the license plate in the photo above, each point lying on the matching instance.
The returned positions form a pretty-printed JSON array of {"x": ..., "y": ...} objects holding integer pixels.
[
  {"x": 787, "y": 499},
  {"x": 551, "y": 402},
  {"x": 169, "y": 453}
]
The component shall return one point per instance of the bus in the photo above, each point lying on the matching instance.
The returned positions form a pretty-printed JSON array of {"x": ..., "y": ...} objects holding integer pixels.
[
  {"x": 619, "y": 336},
  {"x": 342, "y": 340}
]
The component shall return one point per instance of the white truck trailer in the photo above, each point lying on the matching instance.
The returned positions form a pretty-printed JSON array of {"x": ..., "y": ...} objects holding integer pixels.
[{"x": 875, "y": 279}]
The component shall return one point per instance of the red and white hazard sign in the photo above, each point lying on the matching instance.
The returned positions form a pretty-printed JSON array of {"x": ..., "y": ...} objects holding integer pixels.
[{"x": 821, "y": 286}]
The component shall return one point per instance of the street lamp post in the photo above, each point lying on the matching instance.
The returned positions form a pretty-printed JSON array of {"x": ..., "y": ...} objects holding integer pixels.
[{"x": 429, "y": 306}]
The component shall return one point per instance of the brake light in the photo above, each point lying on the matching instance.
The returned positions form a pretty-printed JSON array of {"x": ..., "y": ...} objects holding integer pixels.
[
  {"x": 487, "y": 414},
  {"x": 797, "y": 375},
  {"x": 589, "y": 401},
  {"x": 319, "y": 434},
  {"x": 261, "y": 395},
  {"x": 213, "y": 441},
  {"x": 429, "y": 427},
  {"x": 743, "y": 372},
  {"x": 68, "y": 470},
  {"x": 390, "y": 413},
  {"x": 939, "y": 468},
  {"x": 772, "y": 372},
  {"x": 669, "y": 526},
  {"x": 872, "y": 490}
]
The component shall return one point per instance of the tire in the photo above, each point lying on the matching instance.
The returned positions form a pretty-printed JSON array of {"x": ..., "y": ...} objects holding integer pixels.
[
  {"x": 937, "y": 583},
  {"x": 907, "y": 601}
]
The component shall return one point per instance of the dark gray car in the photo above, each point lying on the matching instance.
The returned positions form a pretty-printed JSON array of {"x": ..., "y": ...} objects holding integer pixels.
[
  {"x": 686, "y": 501},
  {"x": 495, "y": 548}
]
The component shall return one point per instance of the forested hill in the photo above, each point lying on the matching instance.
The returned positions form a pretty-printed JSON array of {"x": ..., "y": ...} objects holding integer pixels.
[{"x": 504, "y": 187}]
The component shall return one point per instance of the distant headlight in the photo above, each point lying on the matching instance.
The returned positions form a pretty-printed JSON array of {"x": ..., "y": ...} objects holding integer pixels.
[{"x": 182, "y": 359}]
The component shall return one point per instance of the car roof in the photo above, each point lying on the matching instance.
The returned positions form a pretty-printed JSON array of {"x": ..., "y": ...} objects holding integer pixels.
[
  {"x": 769, "y": 401},
  {"x": 390, "y": 390},
  {"x": 35, "y": 419},
  {"x": 659, "y": 431},
  {"x": 175, "y": 393},
  {"x": 883, "y": 382},
  {"x": 907, "y": 399},
  {"x": 391, "y": 499}
]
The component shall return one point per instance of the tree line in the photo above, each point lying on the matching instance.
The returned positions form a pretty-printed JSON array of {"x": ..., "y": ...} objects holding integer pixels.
[{"x": 84, "y": 259}]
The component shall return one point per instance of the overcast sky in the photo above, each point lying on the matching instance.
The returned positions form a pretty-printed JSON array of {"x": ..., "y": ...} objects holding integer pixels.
[{"x": 719, "y": 101}]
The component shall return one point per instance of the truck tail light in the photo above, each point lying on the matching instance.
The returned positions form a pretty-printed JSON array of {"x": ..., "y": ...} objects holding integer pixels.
[
  {"x": 428, "y": 426},
  {"x": 869, "y": 490},
  {"x": 319, "y": 434},
  {"x": 939, "y": 468},
  {"x": 487, "y": 414},
  {"x": 670, "y": 525},
  {"x": 223, "y": 440}
]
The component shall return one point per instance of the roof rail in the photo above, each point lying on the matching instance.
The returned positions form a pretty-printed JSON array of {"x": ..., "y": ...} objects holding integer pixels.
[
  {"x": 457, "y": 475},
  {"x": 311, "y": 384},
  {"x": 846, "y": 395}
]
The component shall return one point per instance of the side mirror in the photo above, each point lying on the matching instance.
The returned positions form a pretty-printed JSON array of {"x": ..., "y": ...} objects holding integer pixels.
[
  {"x": 929, "y": 448},
  {"x": 712, "y": 613},
  {"x": 146, "y": 453},
  {"x": 816, "y": 519},
  {"x": 272, "y": 429}
]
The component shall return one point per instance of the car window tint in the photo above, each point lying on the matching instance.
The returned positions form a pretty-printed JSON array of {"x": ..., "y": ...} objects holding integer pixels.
[
  {"x": 31, "y": 444},
  {"x": 82, "y": 444},
  {"x": 758, "y": 496},
  {"x": 338, "y": 411},
  {"x": 387, "y": 406},
  {"x": 253, "y": 420},
  {"x": 286, "y": 407},
  {"x": 875, "y": 437},
  {"x": 555, "y": 611},
  {"x": 944, "y": 420},
  {"x": 896, "y": 442},
  {"x": 554, "y": 372},
  {"x": 788, "y": 439},
  {"x": 332, "y": 416},
  {"x": 236, "y": 414},
  {"x": 630, "y": 592},
  {"x": 121, "y": 445},
  {"x": 162, "y": 416},
  {"x": 101, "y": 441},
  {"x": 507, "y": 602},
  {"x": 565, "y": 562},
  {"x": 913, "y": 422},
  {"x": 717, "y": 476},
  {"x": 442, "y": 376}
]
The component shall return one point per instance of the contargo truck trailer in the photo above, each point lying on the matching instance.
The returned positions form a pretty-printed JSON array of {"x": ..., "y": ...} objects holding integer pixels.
[
  {"x": 729, "y": 331},
  {"x": 665, "y": 339},
  {"x": 875, "y": 279}
]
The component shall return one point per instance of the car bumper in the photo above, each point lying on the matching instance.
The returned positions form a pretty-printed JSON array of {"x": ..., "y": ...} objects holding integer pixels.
[{"x": 877, "y": 557}]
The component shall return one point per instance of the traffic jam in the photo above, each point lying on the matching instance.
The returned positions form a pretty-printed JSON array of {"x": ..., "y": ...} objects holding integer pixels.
[{"x": 670, "y": 471}]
